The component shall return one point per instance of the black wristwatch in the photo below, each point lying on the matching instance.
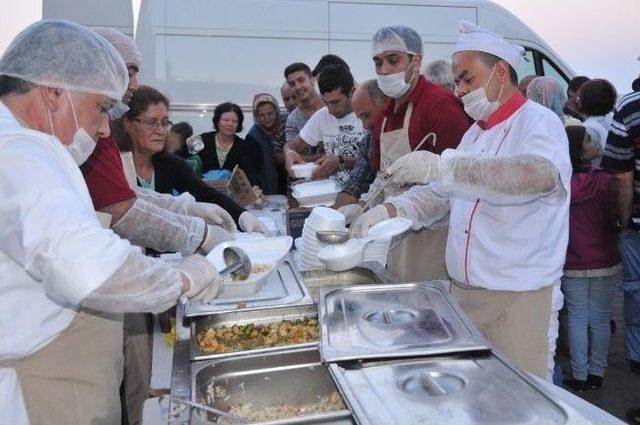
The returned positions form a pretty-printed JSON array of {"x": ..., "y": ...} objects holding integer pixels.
[{"x": 342, "y": 165}]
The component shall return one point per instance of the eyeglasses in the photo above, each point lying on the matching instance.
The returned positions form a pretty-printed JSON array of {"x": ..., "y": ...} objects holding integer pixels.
[{"x": 153, "y": 123}]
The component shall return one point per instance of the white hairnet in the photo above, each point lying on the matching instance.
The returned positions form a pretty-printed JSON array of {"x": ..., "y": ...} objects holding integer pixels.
[
  {"x": 548, "y": 92},
  {"x": 397, "y": 37},
  {"x": 123, "y": 44},
  {"x": 65, "y": 55}
]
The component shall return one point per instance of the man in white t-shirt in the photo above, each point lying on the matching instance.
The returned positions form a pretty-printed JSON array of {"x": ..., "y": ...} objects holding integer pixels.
[{"x": 336, "y": 125}]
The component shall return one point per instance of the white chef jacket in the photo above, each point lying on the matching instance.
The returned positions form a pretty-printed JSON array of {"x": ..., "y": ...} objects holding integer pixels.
[
  {"x": 514, "y": 247},
  {"x": 53, "y": 251}
]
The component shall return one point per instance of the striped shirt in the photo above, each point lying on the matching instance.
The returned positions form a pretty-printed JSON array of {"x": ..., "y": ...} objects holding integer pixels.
[{"x": 622, "y": 152}]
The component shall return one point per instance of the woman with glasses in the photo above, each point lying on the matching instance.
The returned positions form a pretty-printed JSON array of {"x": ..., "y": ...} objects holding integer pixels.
[
  {"x": 224, "y": 149},
  {"x": 147, "y": 125}
]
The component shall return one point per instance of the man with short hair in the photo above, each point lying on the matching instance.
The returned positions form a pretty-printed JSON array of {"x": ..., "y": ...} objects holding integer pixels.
[
  {"x": 178, "y": 224},
  {"x": 505, "y": 194},
  {"x": 336, "y": 125},
  {"x": 367, "y": 102},
  {"x": 325, "y": 61},
  {"x": 300, "y": 79},
  {"x": 288, "y": 95},
  {"x": 419, "y": 115}
]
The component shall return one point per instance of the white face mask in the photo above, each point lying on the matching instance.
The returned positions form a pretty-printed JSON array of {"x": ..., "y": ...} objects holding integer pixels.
[
  {"x": 395, "y": 85},
  {"x": 476, "y": 103},
  {"x": 82, "y": 144}
]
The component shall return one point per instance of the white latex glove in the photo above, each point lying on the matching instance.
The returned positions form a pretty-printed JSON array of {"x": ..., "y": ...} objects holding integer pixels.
[
  {"x": 250, "y": 223},
  {"x": 415, "y": 167},
  {"x": 204, "y": 280},
  {"x": 350, "y": 212},
  {"x": 214, "y": 215},
  {"x": 215, "y": 236},
  {"x": 360, "y": 227}
]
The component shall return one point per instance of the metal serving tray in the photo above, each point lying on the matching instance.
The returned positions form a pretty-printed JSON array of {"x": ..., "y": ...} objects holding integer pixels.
[
  {"x": 481, "y": 389},
  {"x": 382, "y": 321},
  {"x": 295, "y": 377},
  {"x": 283, "y": 288},
  {"x": 369, "y": 273},
  {"x": 241, "y": 317}
]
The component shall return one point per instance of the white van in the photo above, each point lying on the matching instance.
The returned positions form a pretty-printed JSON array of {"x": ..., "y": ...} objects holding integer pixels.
[{"x": 204, "y": 52}]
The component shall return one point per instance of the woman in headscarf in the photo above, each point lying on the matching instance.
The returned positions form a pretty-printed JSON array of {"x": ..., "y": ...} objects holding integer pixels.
[
  {"x": 548, "y": 92},
  {"x": 268, "y": 132}
]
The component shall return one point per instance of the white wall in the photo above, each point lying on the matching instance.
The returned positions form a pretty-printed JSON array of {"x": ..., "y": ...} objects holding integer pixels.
[{"x": 16, "y": 17}]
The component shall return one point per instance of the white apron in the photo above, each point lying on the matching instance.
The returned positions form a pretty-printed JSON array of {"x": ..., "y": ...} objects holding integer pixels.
[
  {"x": 76, "y": 377},
  {"x": 429, "y": 264}
]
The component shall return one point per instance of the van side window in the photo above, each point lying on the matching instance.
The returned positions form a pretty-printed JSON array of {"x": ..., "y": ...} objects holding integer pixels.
[
  {"x": 537, "y": 63},
  {"x": 550, "y": 70},
  {"x": 527, "y": 65}
]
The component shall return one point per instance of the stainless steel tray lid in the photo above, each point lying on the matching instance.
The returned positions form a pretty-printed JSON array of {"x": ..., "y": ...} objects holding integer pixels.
[
  {"x": 454, "y": 390},
  {"x": 377, "y": 321}
]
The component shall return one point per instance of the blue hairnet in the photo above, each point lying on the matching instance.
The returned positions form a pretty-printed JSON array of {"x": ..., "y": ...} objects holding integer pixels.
[{"x": 396, "y": 37}]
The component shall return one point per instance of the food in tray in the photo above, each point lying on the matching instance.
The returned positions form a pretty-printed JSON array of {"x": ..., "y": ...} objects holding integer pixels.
[
  {"x": 225, "y": 339},
  {"x": 260, "y": 268},
  {"x": 255, "y": 269},
  {"x": 326, "y": 403}
]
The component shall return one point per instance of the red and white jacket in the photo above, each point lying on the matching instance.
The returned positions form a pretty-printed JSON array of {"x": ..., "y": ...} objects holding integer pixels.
[{"x": 512, "y": 247}]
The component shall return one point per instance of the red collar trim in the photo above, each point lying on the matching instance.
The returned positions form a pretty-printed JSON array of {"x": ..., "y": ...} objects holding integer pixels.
[{"x": 504, "y": 111}]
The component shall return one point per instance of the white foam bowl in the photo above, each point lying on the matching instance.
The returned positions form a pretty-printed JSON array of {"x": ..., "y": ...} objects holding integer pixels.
[
  {"x": 267, "y": 251},
  {"x": 343, "y": 257},
  {"x": 303, "y": 171}
]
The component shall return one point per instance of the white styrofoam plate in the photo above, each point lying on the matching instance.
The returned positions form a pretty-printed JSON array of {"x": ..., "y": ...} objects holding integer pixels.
[
  {"x": 316, "y": 193},
  {"x": 389, "y": 228},
  {"x": 316, "y": 200},
  {"x": 266, "y": 251},
  {"x": 316, "y": 187}
]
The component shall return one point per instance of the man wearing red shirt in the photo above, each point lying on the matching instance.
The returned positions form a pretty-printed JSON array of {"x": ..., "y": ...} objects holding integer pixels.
[
  {"x": 420, "y": 115},
  {"x": 147, "y": 219}
]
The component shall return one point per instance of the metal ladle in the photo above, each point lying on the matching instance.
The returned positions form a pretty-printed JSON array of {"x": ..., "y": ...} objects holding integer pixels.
[
  {"x": 332, "y": 237},
  {"x": 238, "y": 263}
]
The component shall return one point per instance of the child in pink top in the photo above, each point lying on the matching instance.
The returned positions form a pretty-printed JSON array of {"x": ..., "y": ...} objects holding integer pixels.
[{"x": 592, "y": 267}]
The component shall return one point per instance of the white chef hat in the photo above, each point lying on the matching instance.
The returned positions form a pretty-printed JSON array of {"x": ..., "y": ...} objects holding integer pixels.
[{"x": 473, "y": 37}]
